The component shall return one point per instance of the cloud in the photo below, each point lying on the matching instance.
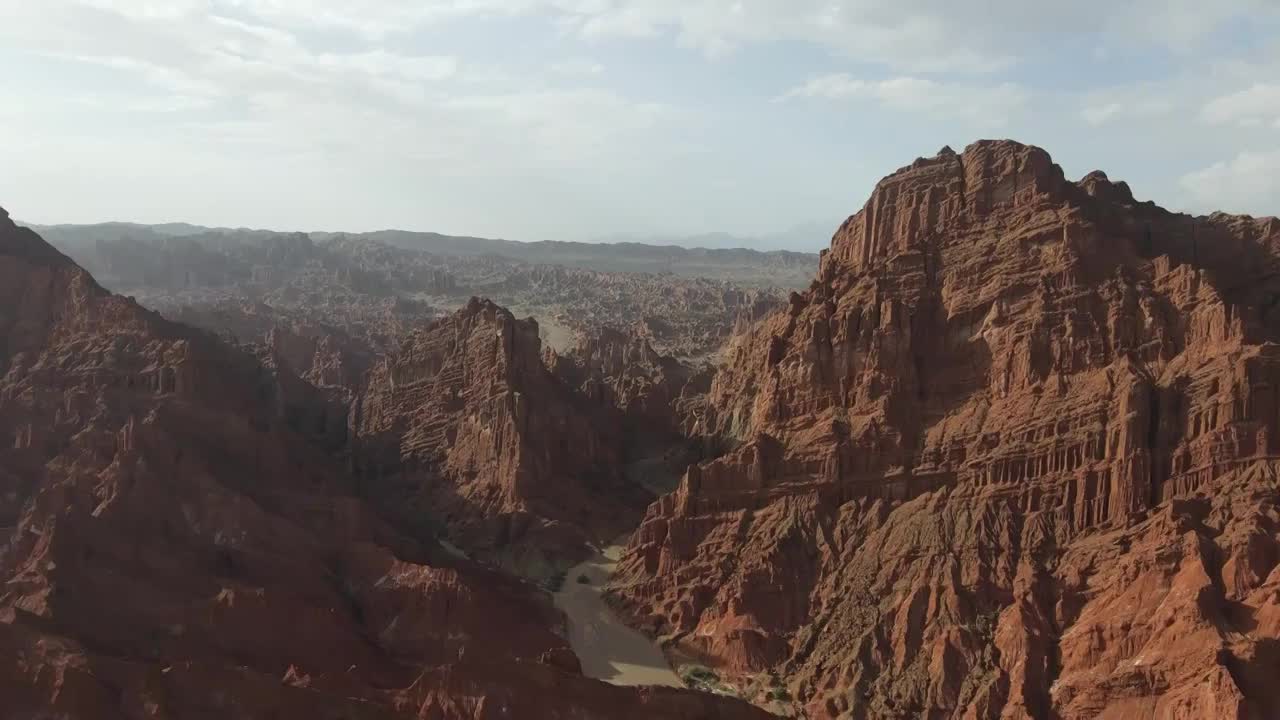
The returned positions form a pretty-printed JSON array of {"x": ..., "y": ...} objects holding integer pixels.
[
  {"x": 906, "y": 35},
  {"x": 264, "y": 87},
  {"x": 1248, "y": 183},
  {"x": 1099, "y": 114},
  {"x": 1134, "y": 104},
  {"x": 868, "y": 31},
  {"x": 1182, "y": 25},
  {"x": 984, "y": 104},
  {"x": 155, "y": 74},
  {"x": 568, "y": 128},
  {"x": 1254, "y": 106},
  {"x": 577, "y": 66}
]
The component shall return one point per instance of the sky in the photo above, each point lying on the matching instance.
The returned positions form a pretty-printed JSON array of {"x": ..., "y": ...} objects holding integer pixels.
[{"x": 582, "y": 119}]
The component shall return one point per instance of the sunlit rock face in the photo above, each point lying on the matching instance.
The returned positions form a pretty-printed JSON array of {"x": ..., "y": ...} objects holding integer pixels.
[{"x": 1008, "y": 456}]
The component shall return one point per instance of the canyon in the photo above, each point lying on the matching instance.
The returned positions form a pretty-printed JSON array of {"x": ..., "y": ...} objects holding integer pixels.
[
  {"x": 1013, "y": 452},
  {"x": 184, "y": 535}
]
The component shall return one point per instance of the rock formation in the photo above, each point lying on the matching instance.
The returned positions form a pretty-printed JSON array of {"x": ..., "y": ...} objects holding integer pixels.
[
  {"x": 661, "y": 401},
  {"x": 177, "y": 544},
  {"x": 1009, "y": 456},
  {"x": 622, "y": 370},
  {"x": 465, "y": 424}
]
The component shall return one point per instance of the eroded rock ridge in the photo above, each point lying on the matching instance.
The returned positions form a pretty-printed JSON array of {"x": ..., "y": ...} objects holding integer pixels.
[{"x": 1011, "y": 455}]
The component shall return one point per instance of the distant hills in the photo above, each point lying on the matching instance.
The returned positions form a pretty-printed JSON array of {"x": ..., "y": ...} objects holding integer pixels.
[
  {"x": 783, "y": 268},
  {"x": 803, "y": 239},
  {"x": 809, "y": 237}
]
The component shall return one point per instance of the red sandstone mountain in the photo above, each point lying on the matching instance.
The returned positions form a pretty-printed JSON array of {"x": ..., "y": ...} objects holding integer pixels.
[
  {"x": 465, "y": 423},
  {"x": 1011, "y": 455},
  {"x": 179, "y": 543}
]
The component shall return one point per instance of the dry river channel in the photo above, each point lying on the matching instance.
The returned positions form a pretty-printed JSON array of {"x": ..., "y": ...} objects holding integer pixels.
[{"x": 608, "y": 649}]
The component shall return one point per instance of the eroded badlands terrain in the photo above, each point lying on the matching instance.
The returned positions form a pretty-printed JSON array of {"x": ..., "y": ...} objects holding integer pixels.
[{"x": 1013, "y": 453}]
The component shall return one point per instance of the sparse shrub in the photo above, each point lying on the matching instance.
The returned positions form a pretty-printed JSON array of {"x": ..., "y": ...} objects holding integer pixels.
[{"x": 701, "y": 675}]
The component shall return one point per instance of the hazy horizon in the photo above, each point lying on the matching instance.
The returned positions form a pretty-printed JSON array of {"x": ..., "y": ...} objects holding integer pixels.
[
  {"x": 581, "y": 120},
  {"x": 711, "y": 240}
]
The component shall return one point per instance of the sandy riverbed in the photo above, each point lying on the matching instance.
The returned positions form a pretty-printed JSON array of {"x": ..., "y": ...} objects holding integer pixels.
[{"x": 608, "y": 649}]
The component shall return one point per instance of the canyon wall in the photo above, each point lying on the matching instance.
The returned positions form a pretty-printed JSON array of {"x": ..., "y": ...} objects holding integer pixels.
[
  {"x": 1000, "y": 395},
  {"x": 465, "y": 424}
]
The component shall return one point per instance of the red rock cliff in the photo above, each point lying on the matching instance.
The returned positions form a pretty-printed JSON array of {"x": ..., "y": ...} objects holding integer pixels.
[
  {"x": 946, "y": 444},
  {"x": 464, "y": 424}
]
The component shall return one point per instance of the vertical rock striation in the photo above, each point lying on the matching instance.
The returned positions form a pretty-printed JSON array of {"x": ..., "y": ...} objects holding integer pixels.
[
  {"x": 996, "y": 374},
  {"x": 466, "y": 425}
]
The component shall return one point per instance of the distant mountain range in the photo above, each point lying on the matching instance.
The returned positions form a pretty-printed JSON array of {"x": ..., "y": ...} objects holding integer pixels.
[
  {"x": 714, "y": 256},
  {"x": 806, "y": 238},
  {"x": 809, "y": 237}
]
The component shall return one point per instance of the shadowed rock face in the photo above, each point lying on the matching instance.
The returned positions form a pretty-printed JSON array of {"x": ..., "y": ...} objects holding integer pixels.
[
  {"x": 657, "y": 394},
  {"x": 464, "y": 423},
  {"x": 178, "y": 541},
  {"x": 1006, "y": 457}
]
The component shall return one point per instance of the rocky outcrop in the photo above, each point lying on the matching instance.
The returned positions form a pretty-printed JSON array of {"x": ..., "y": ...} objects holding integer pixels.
[
  {"x": 997, "y": 374},
  {"x": 173, "y": 546},
  {"x": 660, "y": 400},
  {"x": 465, "y": 425}
]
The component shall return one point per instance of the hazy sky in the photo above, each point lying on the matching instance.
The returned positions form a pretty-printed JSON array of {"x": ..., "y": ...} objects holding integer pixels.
[{"x": 573, "y": 119}]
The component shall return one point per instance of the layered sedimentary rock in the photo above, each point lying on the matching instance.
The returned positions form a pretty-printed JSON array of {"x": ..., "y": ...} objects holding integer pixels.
[
  {"x": 177, "y": 544},
  {"x": 947, "y": 442},
  {"x": 464, "y": 424},
  {"x": 661, "y": 401},
  {"x": 622, "y": 370}
]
